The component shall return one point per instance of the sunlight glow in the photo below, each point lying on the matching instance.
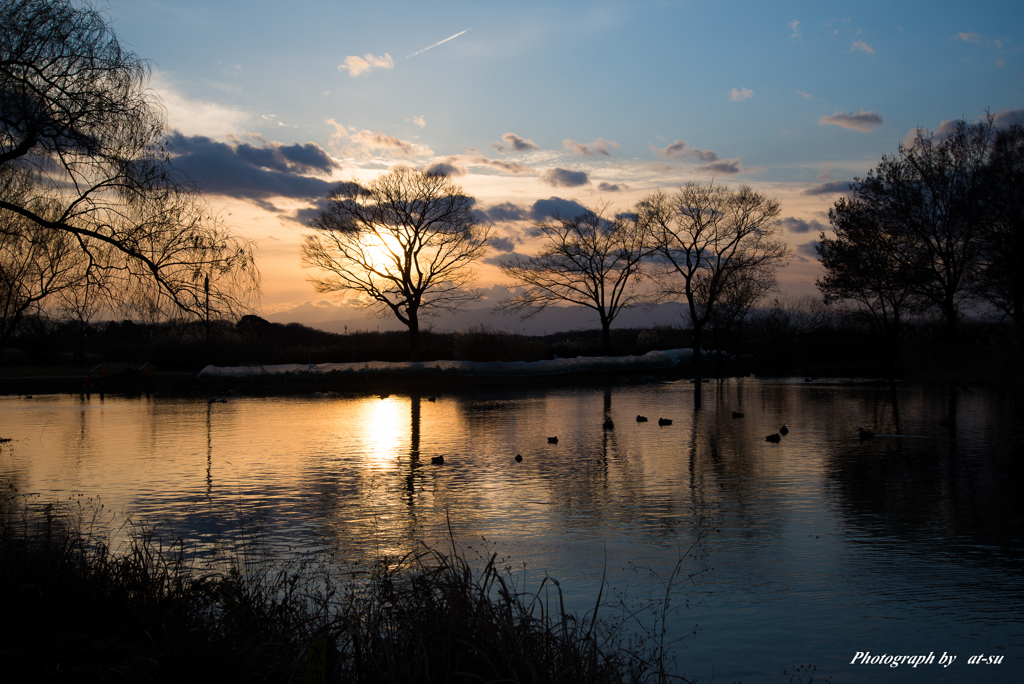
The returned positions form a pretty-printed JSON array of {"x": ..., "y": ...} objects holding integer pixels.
[
  {"x": 383, "y": 425},
  {"x": 383, "y": 251}
]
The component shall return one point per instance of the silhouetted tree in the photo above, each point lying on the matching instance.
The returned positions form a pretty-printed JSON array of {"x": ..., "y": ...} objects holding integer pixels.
[
  {"x": 405, "y": 244},
  {"x": 35, "y": 262},
  {"x": 717, "y": 248},
  {"x": 80, "y": 141},
  {"x": 931, "y": 201},
  {"x": 872, "y": 270},
  {"x": 1001, "y": 280},
  {"x": 586, "y": 260}
]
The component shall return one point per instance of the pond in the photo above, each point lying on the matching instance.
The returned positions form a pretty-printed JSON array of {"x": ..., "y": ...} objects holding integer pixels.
[{"x": 815, "y": 549}]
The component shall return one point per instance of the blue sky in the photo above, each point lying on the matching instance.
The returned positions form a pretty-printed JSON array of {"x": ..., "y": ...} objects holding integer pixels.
[{"x": 580, "y": 101}]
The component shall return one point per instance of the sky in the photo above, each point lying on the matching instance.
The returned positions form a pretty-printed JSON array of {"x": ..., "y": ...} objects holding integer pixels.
[{"x": 533, "y": 106}]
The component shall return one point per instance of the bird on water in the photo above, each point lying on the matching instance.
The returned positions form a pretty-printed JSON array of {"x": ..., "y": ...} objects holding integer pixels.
[
  {"x": 664, "y": 421},
  {"x": 641, "y": 419},
  {"x": 783, "y": 430},
  {"x": 737, "y": 414},
  {"x": 774, "y": 438},
  {"x": 865, "y": 434},
  {"x": 552, "y": 440},
  {"x": 437, "y": 460},
  {"x": 608, "y": 424},
  {"x": 519, "y": 458}
]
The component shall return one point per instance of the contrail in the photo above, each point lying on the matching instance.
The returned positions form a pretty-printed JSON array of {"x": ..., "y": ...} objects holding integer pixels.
[{"x": 438, "y": 43}]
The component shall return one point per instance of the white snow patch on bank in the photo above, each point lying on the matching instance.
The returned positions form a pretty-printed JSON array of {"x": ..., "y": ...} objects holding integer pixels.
[{"x": 581, "y": 364}]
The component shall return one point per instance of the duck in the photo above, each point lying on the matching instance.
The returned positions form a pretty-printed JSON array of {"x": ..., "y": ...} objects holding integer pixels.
[
  {"x": 737, "y": 414},
  {"x": 664, "y": 421},
  {"x": 864, "y": 434},
  {"x": 431, "y": 398},
  {"x": 552, "y": 440},
  {"x": 608, "y": 424},
  {"x": 783, "y": 430},
  {"x": 641, "y": 419},
  {"x": 773, "y": 438},
  {"x": 437, "y": 460},
  {"x": 519, "y": 458}
]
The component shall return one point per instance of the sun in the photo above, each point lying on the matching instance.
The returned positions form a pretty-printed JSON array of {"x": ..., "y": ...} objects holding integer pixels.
[{"x": 383, "y": 250}]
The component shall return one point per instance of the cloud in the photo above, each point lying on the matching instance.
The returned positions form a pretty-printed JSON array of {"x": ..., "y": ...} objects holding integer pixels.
[
  {"x": 444, "y": 169},
  {"x": 1009, "y": 117},
  {"x": 556, "y": 206},
  {"x": 862, "y": 121},
  {"x": 808, "y": 250},
  {"x": 440, "y": 42},
  {"x": 1004, "y": 119},
  {"x": 380, "y": 141},
  {"x": 861, "y": 45},
  {"x": 831, "y": 188},
  {"x": 259, "y": 174},
  {"x": 358, "y": 66},
  {"x": 610, "y": 187},
  {"x": 419, "y": 121},
  {"x": 503, "y": 244},
  {"x": 805, "y": 95},
  {"x": 564, "y": 178},
  {"x": 505, "y": 166},
  {"x": 598, "y": 146},
  {"x": 795, "y": 225},
  {"x": 501, "y": 260},
  {"x": 195, "y": 117},
  {"x": 515, "y": 144},
  {"x": 681, "y": 150},
  {"x": 506, "y": 211},
  {"x": 727, "y": 166},
  {"x": 795, "y": 26},
  {"x": 739, "y": 95},
  {"x": 974, "y": 37}
]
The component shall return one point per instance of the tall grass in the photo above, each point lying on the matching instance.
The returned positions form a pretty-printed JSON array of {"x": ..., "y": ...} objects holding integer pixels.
[{"x": 73, "y": 609}]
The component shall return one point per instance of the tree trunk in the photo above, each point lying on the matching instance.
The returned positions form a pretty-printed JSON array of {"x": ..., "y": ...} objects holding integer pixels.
[
  {"x": 606, "y": 335},
  {"x": 414, "y": 336},
  {"x": 951, "y": 321},
  {"x": 697, "y": 327}
]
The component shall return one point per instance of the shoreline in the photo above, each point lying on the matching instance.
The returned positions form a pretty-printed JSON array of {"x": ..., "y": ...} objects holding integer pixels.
[{"x": 998, "y": 367}]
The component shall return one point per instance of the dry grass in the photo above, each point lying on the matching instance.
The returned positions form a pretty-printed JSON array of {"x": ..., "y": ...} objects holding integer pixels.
[{"x": 76, "y": 611}]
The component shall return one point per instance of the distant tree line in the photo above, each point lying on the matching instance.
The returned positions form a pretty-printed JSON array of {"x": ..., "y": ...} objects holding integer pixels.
[{"x": 937, "y": 229}]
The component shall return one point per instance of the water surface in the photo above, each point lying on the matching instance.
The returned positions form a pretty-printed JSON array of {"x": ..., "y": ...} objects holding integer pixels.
[{"x": 820, "y": 546}]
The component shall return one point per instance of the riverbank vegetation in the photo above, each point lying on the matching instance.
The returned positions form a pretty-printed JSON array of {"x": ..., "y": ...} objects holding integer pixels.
[
  {"x": 153, "y": 612},
  {"x": 786, "y": 338}
]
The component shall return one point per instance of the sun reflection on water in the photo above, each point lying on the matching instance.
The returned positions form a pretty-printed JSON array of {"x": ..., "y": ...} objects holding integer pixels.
[{"x": 379, "y": 426}]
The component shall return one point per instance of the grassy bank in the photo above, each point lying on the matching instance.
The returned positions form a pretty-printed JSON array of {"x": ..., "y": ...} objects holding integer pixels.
[{"x": 74, "y": 610}]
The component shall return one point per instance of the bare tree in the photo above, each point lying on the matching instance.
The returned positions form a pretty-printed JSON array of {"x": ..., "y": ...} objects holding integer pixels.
[
  {"x": 1001, "y": 281},
  {"x": 717, "y": 247},
  {"x": 931, "y": 199},
  {"x": 35, "y": 264},
  {"x": 405, "y": 244},
  {"x": 586, "y": 260},
  {"x": 80, "y": 135},
  {"x": 872, "y": 271}
]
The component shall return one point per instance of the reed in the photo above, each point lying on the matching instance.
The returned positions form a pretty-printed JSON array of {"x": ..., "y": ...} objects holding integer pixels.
[{"x": 152, "y": 613}]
